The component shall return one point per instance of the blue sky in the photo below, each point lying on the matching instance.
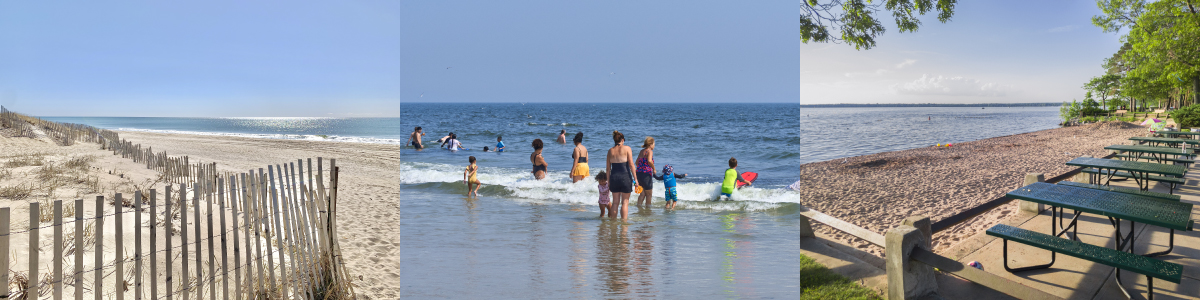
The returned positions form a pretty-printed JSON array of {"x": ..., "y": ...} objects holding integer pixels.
[
  {"x": 600, "y": 51},
  {"x": 991, "y": 52},
  {"x": 200, "y": 58}
]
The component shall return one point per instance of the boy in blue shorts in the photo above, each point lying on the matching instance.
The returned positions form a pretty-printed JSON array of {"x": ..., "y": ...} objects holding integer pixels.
[
  {"x": 499, "y": 144},
  {"x": 668, "y": 177}
]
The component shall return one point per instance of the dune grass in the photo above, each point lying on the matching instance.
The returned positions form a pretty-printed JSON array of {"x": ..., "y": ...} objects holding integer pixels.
[{"x": 818, "y": 282}]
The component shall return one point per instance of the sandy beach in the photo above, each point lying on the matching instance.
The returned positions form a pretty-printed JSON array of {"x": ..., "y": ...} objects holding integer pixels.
[
  {"x": 368, "y": 194},
  {"x": 877, "y": 191}
]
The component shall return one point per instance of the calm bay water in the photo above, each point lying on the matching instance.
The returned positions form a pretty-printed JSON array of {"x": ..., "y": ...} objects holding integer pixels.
[
  {"x": 830, "y": 133},
  {"x": 360, "y": 130},
  {"x": 525, "y": 238}
]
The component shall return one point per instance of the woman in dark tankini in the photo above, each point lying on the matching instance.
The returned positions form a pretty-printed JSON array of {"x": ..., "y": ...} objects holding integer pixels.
[
  {"x": 539, "y": 163},
  {"x": 619, "y": 166}
]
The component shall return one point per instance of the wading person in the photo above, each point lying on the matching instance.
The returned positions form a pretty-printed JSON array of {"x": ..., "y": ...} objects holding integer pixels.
[
  {"x": 619, "y": 167},
  {"x": 579, "y": 169},
  {"x": 539, "y": 163}
]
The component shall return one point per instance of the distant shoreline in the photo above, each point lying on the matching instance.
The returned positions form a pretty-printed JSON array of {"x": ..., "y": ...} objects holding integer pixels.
[{"x": 844, "y": 105}]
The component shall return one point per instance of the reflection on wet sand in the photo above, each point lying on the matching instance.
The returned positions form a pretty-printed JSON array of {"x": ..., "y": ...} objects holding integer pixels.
[
  {"x": 739, "y": 255},
  {"x": 536, "y": 258},
  {"x": 643, "y": 259},
  {"x": 612, "y": 241},
  {"x": 579, "y": 261}
]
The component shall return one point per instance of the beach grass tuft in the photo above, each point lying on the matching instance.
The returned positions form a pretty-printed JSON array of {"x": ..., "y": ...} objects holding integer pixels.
[
  {"x": 818, "y": 282},
  {"x": 36, "y": 159},
  {"x": 16, "y": 192}
]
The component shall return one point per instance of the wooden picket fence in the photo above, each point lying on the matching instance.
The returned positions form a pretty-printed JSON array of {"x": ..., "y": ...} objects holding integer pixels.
[
  {"x": 281, "y": 221},
  {"x": 271, "y": 234}
]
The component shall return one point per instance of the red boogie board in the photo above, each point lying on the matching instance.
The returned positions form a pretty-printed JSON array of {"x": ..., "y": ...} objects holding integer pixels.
[{"x": 749, "y": 177}]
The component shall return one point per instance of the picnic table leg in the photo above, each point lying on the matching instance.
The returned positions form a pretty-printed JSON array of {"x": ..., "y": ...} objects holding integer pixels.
[
  {"x": 1149, "y": 286},
  {"x": 1170, "y": 247}
]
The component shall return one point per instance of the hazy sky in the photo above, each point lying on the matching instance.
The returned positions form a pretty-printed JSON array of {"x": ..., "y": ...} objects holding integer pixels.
[
  {"x": 992, "y": 51},
  {"x": 600, "y": 51},
  {"x": 200, "y": 58}
]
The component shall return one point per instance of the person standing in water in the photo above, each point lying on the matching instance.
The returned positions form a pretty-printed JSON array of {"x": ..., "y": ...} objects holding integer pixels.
[
  {"x": 415, "y": 138},
  {"x": 539, "y": 163},
  {"x": 499, "y": 144},
  {"x": 469, "y": 177},
  {"x": 645, "y": 172},
  {"x": 579, "y": 169},
  {"x": 562, "y": 137},
  {"x": 619, "y": 167}
]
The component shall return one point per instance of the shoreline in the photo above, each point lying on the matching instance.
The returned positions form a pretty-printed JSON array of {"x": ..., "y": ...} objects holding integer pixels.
[{"x": 877, "y": 191}]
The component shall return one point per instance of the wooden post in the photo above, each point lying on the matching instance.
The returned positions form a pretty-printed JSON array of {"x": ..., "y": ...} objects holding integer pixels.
[
  {"x": 198, "y": 186},
  {"x": 256, "y": 201},
  {"x": 245, "y": 200},
  {"x": 212, "y": 282},
  {"x": 224, "y": 252},
  {"x": 237, "y": 254},
  {"x": 79, "y": 211},
  {"x": 183, "y": 243},
  {"x": 154, "y": 242},
  {"x": 4, "y": 231},
  {"x": 35, "y": 214},
  {"x": 119, "y": 206},
  {"x": 137, "y": 245},
  {"x": 98, "y": 289},
  {"x": 58, "y": 247}
]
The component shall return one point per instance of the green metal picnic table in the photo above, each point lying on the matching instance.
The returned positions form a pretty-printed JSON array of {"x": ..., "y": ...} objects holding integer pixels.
[
  {"x": 1116, "y": 206},
  {"x": 1156, "y": 141},
  {"x": 1138, "y": 170},
  {"x": 1147, "y": 210},
  {"x": 1179, "y": 134},
  {"x": 1157, "y": 153}
]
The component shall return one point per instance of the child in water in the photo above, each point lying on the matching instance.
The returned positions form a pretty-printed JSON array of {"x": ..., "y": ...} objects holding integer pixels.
[
  {"x": 470, "y": 179},
  {"x": 499, "y": 144},
  {"x": 732, "y": 177},
  {"x": 602, "y": 184},
  {"x": 668, "y": 177}
]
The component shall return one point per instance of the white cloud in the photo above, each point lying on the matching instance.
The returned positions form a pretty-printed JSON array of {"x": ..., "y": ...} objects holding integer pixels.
[
  {"x": 907, "y": 62},
  {"x": 868, "y": 74},
  {"x": 1062, "y": 28},
  {"x": 951, "y": 86}
]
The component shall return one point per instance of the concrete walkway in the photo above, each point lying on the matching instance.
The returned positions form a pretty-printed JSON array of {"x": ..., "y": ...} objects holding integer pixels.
[{"x": 1069, "y": 277}]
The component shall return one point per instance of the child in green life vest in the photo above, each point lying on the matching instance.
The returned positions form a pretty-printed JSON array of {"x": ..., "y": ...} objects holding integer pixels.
[{"x": 732, "y": 177}]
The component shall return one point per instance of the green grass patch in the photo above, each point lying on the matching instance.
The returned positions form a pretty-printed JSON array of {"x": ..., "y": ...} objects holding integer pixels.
[{"x": 818, "y": 282}]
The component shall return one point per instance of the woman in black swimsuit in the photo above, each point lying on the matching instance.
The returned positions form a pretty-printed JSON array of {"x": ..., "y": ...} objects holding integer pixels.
[
  {"x": 619, "y": 167},
  {"x": 539, "y": 163}
]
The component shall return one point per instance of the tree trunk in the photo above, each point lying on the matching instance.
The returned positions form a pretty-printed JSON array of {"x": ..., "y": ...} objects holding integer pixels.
[{"x": 1196, "y": 88}]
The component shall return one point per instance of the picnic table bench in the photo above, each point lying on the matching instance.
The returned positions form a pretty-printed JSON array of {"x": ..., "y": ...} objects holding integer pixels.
[
  {"x": 1178, "y": 133},
  {"x": 1163, "y": 140},
  {"x": 1102, "y": 170},
  {"x": 1157, "y": 153},
  {"x": 1114, "y": 205}
]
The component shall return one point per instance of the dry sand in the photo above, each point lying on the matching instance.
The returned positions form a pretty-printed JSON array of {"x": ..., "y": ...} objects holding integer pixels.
[
  {"x": 368, "y": 206},
  {"x": 878, "y": 191},
  {"x": 368, "y": 193}
]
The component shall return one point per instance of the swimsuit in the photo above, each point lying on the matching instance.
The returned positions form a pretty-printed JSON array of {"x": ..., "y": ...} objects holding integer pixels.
[
  {"x": 472, "y": 178},
  {"x": 416, "y": 145},
  {"x": 581, "y": 167},
  {"x": 499, "y": 146},
  {"x": 645, "y": 173},
  {"x": 537, "y": 168},
  {"x": 603, "y": 194},
  {"x": 672, "y": 194},
  {"x": 620, "y": 181}
]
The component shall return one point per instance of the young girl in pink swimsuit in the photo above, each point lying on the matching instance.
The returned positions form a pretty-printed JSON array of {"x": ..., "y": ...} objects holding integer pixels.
[{"x": 602, "y": 180}]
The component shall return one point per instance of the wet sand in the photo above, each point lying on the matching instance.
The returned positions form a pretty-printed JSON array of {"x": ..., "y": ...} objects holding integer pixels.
[{"x": 878, "y": 191}]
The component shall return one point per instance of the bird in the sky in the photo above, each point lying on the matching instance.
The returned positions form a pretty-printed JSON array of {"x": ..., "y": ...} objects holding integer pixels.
[
  {"x": 612, "y": 73},
  {"x": 447, "y": 68},
  {"x": 422, "y": 95}
]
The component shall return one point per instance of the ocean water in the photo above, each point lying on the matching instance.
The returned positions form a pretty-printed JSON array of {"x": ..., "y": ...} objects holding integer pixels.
[
  {"x": 831, "y": 133},
  {"x": 358, "y": 130},
  {"x": 526, "y": 238},
  {"x": 695, "y": 139}
]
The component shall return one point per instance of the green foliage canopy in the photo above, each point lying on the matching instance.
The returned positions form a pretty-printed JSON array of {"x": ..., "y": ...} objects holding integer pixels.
[
  {"x": 1162, "y": 44},
  {"x": 1187, "y": 116},
  {"x": 857, "y": 22}
]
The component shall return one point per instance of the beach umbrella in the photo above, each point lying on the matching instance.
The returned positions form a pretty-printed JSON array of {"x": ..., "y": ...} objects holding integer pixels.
[
  {"x": 1155, "y": 124},
  {"x": 1151, "y": 121}
]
